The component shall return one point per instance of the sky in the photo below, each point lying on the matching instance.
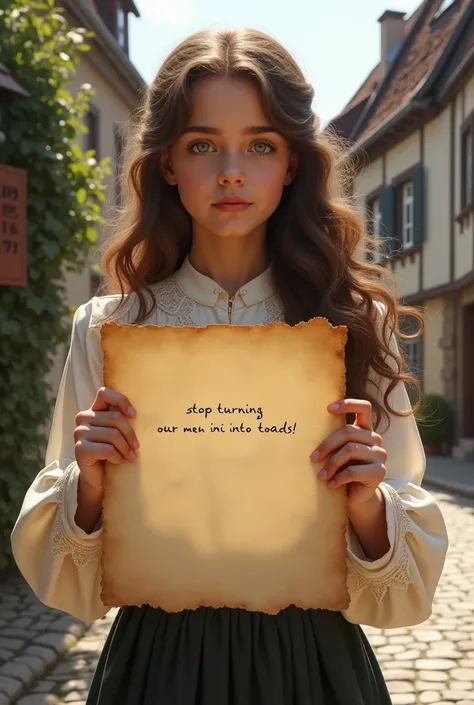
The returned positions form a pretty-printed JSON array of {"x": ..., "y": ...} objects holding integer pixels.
[{"x": 336, "y": 42}]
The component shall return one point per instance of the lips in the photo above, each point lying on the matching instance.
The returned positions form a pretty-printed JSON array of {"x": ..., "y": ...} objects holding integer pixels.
[{"x": 232, "y": 204}]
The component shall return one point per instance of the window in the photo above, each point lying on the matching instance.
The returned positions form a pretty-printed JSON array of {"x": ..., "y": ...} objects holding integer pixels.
[
  {"x": 407, "y": 239},
  {"x": 411, "y": 349},
  {"x": 122, "y": 28},
  {"x": 467, "y": 163},
  {"x": 92, "y": 137},
  {"x": 413, "y": 355},
  {"x": 412, "y": 352}
]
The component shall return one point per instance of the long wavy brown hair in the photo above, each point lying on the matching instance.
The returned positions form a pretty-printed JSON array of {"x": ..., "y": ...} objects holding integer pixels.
[{"x": 315, "y": 235}]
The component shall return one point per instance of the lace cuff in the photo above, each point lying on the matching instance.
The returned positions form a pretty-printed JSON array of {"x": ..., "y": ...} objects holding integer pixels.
[
  {"x": 393, "y": 569},
  {"x": 69, "y": 539}
]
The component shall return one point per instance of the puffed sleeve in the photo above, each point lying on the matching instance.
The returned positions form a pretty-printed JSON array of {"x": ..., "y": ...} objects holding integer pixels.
[
  {"x": 397, "y": 590},
  {"x": 59, "y": 560}
]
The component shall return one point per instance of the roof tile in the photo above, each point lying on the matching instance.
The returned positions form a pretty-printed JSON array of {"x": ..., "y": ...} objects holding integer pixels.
[{"x": 414, "y": 65}]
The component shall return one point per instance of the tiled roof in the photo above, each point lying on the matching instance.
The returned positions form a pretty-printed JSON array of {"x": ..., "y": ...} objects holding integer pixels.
[
  {"x": 423, "y": 50},
  {"x": 370, "y": 83}
]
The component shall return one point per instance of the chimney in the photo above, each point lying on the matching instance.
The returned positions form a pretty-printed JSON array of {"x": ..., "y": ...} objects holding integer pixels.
[{"x": 392, "y": 26}]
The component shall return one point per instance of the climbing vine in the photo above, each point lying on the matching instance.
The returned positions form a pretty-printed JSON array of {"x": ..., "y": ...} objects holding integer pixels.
[{"x": 65, "y": 196}]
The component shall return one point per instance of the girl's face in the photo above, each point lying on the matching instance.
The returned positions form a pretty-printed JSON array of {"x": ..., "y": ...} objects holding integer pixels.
[{"x": 229, "y": 164}]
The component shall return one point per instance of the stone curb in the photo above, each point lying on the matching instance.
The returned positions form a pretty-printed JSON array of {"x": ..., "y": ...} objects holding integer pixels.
[
  {"x": 448, "y": 486},
  {"x": 19, "y": 676}
]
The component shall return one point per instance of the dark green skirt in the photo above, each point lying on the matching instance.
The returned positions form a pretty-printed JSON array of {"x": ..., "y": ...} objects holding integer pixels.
[{"x": 234, "y": 657}]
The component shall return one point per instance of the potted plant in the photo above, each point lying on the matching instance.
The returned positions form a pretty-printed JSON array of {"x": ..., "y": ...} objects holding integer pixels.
[{"x": 435, "y": 423}]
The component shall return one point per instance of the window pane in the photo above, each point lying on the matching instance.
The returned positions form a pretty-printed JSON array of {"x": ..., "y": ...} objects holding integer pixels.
[
  {"x": 376, "y": 216},
  {"x": 121, "y": 27},
  {"x": 407, "y": 214}
]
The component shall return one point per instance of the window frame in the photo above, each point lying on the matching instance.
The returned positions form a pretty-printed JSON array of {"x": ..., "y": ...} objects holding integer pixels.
[
  {"x": 123, "y": 42},
  {"x": 407, "y": 201},
  {"x": 400, "y": 183},
  {"x": 413, "y": 352},
  {"x": 412, "y": 348}
]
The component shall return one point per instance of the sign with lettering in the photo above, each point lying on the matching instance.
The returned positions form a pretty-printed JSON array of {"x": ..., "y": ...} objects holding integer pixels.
[
  {"x": 222, "y": 506},
  {"x": 13, "y": 242}
]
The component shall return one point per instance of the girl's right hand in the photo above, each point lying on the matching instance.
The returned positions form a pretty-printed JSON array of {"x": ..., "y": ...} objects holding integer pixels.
[{"x": 103, "y": 433}]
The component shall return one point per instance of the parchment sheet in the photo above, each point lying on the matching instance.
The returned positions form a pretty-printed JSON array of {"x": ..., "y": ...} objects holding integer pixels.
[{"x": 233, "y": 518}]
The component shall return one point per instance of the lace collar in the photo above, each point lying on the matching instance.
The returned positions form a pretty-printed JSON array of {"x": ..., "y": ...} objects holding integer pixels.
[{"x": 206, "y": 291}]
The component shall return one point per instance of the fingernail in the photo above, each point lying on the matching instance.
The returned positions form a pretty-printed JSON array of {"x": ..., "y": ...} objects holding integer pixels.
[
  {"x": 323, "y": 474},
  {"x": 315, "y": 454},
  {"x": 331, "y": 484},
  {"x": 131, "y": 411},
  {"x": 135, "y": 444},
  {"x": 333, "y": 407},
  {"x": 132, "y": 455}
]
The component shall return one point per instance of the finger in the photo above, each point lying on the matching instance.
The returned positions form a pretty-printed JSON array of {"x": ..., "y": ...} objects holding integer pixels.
[
  {"x": 360, "y": 407},
  {"x": 349, "y": 433},
  {"x": 98, "y": 452},
  {"x": 108, "y": 397},
  {"x": 368, "y": 475},
  {"x": 110, "y": 419},
  {"x": 111, "y": 436},
  {"x": 350, "y": 453}
]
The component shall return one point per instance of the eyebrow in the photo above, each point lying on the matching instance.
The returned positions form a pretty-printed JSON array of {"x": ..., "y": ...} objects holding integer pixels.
[{"x": 251, "y": 130}]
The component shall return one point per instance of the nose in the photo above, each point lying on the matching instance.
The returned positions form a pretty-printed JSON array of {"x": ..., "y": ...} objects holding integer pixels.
[{"x": 231, "y": 173}]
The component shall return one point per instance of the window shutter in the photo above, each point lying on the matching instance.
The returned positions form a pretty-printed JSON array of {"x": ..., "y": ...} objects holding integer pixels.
[
  {"x": 418, "y": 205},
  {"x": 388, "y": 220}
]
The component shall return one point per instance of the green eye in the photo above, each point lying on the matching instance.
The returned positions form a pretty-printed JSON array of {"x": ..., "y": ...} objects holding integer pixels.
[{"x": 201, "y": 147}]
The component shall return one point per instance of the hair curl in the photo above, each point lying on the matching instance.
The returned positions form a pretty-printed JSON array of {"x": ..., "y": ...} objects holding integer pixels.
[{"x": 314, "y": 237}]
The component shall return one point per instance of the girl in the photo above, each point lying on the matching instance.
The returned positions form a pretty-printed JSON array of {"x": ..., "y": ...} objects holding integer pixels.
[{"x": 233, "y": 216}]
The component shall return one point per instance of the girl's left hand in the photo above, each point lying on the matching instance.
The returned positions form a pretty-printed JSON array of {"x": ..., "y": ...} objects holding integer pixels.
[{"x": 354, "y": 454}]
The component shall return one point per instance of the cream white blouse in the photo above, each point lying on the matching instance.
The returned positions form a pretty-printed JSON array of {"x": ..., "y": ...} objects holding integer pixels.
[{"x": 61, "y": 562}]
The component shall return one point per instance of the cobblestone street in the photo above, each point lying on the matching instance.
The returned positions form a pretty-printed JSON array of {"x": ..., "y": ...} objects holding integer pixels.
[{"x": 432, "y": 663}]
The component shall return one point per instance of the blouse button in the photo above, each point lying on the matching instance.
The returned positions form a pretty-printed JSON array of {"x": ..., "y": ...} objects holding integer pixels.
[
  {"x": 217, "y": 291},
  {"x": 243, "y": 292}
]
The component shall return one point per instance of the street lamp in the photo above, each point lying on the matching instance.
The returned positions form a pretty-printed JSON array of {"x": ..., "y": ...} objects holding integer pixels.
[{"x": 9, "y": 89}]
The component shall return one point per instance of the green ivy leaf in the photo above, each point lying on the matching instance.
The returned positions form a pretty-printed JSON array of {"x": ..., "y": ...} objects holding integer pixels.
[
  {"x": 65, "y": 195},
  {"x": 51, "y": 248}
]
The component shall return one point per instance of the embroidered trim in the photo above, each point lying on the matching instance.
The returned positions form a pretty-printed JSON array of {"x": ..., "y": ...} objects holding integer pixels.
[
  {"x": 273, "y": 310},
  {"x": 172, "y": 300},
  {"x": 62, "y": 543},
  {"x": 397, "y": 573},
  {"x": 105, "y": 309}
]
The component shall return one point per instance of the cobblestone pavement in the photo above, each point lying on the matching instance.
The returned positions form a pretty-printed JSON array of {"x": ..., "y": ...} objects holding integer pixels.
[{"x": 431, "y": 663}]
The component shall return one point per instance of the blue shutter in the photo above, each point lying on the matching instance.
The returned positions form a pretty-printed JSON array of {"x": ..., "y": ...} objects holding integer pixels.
[
  {"x": 418, "y": 205},
  {"x": 388, "y": 220}
]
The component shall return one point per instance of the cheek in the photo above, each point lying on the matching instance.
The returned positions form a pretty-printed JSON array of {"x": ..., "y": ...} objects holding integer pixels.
[
  {"x": 192, "y": 182},
  {"x": 270, "y": 177}
]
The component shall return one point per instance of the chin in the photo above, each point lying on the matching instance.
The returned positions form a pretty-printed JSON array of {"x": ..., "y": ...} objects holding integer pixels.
[
  {"x": 233, "y": 232},
  {"x": 231, "y": 229}
]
